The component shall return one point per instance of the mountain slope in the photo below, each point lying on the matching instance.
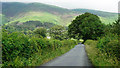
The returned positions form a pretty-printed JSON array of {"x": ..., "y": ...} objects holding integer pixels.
[
  {"x": 23, "y": 12},
  {"x": 99, "y": 13},
  {"x": 15, "y": 8},
  {"x": 106, "y": 17}
]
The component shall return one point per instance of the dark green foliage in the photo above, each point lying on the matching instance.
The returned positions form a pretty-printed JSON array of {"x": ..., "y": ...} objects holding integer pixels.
[
  {"x": 58, "y": 32},
  {"x": 19, "y": 49},
  {"x": 110, "y": 43},
  {"x": 86, "y": 26},
  {"x": 16, "y": 44},
  {"x": 116, "y": 27},
  {"x": 29, "y": 25},
  {"x": 40, "y": 31},
  {"x": 107, "y": 29},
  {"x": 105, "y": 58}
]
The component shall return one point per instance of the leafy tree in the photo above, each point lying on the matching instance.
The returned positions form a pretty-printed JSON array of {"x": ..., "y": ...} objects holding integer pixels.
[
  {"x": 58, "y": 32},
  {"x": 26, "y": 26},
  {"x": 40, "y": 31},
  {"x": 86, "y": 26},
  {"x": 116, "y": 27}
]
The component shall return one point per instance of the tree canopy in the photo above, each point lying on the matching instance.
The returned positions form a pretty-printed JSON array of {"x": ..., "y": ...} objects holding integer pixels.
[
  {"x": 40, "y": 31},
  {"x": 58, "y": 32},
  {"x": 86, "y": 26}
]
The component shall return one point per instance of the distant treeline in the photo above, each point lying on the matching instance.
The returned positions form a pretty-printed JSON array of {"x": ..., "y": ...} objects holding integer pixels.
[{"x": 29, "y": 25}]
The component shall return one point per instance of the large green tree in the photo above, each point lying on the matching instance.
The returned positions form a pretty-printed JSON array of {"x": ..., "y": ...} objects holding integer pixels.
[
  {"x": 58, "y": 32},
  {"x": 40, "y": 32},
  {"x": 86, "y": 26}
]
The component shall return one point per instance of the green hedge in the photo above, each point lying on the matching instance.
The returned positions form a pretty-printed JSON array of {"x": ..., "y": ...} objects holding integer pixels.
[
  {"x": 110, "y": 45},
  {"x": 104, "y": 52},
  {"x": 19, "y": 49}
]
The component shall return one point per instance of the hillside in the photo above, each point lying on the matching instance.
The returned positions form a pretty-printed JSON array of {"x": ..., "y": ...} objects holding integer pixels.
[
  {"x": 16, "y": 8},
  {"x": 23, "y": 12},
  {"x": 106, "y": 17},
  {"x": 99, "y": 13}
]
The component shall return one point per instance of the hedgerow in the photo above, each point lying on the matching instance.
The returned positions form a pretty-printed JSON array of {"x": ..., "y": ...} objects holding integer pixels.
[{"x": 19, "y": 49}]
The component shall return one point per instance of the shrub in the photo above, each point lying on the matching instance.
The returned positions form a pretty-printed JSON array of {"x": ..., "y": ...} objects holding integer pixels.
[
  {"x": 40, "y": 32},
  {"x": 20, "y": 47},
  {"x": 110, "y": 45},
  {"x": 97, "y": 57}
]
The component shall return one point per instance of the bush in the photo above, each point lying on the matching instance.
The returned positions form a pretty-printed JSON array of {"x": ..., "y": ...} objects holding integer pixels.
[
  {"x": 20, "y": 47},
  {"x": 97, "y": 57},
  {"x": 16, "y": 44},
  {"x": 58, "y": 32},
  {"x": 40, "y": 32},
  {"x": 110, "y": 45}
]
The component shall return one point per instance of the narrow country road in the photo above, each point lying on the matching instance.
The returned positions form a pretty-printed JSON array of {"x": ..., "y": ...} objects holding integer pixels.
[{"x": 75, "y": 57}]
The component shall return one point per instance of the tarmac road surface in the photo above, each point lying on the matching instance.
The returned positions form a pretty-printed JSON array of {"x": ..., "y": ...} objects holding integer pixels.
[{"x": 75, "y": 57}]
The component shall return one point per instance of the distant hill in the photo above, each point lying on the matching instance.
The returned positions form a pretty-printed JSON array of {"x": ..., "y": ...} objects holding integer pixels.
[
  {"x": 99, "y": 13},
  {"x": 106, "y": 17},
  {"x": 23, "y": 12},
  {"x": 16, "y": 8}
]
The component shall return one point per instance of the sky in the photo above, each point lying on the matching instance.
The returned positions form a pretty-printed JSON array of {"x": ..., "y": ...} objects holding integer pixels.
[{"x": 103, "y": 5}]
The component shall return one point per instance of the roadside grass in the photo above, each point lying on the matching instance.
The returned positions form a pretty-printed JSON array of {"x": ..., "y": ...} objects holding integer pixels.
[
  {"x": 97, "y": 57},
  {"x": 51, "y": 55}
]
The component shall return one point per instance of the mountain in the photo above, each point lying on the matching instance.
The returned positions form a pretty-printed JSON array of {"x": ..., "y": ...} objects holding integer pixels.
[
  {"x": 16, "y": 8},
  {"x": 23, "y": 12},
  {"x": 99, "y": 13},
  {"x": 13, "y": 12},
  {"x": 106, "y": 17}
]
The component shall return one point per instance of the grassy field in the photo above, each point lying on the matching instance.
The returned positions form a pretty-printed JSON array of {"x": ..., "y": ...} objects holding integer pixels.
[
  {"x": 43, "y": 17},
  {"x": 56, "y": 19},
  {"x": 97, "y": 57},
  {"x": 37, "y": 16}
]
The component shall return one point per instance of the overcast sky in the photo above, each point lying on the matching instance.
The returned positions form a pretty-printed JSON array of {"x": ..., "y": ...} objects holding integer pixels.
[{"x": 103, "y": 5}]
